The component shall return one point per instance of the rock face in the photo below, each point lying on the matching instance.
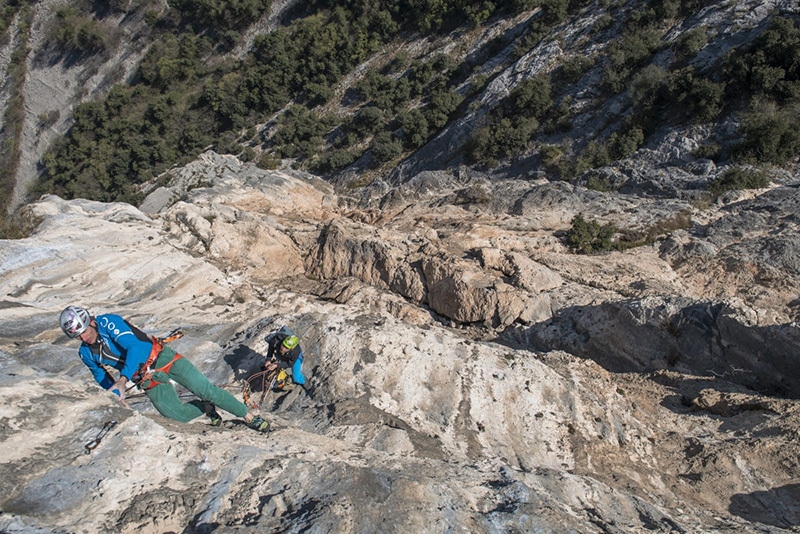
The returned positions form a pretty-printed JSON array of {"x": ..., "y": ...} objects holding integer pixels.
[{"x": 459, "y": 356}]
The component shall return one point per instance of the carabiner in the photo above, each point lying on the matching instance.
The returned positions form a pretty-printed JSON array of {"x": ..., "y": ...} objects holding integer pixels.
[{"x": 92, "y": 445}]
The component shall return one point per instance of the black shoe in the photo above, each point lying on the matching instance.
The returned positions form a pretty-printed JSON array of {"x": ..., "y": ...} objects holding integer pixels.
[
  {"x": 259, "y": 424},
  {"x": 216, "y": 419},
  {"x": 211, "y": 412}
]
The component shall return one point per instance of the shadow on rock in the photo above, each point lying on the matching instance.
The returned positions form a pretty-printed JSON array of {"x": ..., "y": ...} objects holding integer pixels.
[
  {"x": 697, "y": 338},
  {"x": 244, "y": 361},
  {"x": 779, "y": 507}
]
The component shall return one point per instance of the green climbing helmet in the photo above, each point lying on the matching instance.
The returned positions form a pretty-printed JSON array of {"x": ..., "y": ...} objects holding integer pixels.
[{"x": 291, "y": 342}]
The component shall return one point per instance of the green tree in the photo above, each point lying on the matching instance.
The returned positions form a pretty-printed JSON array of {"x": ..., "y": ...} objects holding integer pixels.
[
  {"x": 627, "y": 54},
  {"x": 700, "y": 97},
  {"x": 587, "y": 237},
  {"x": 738, "y": 178},
  {"x": 770, "y": 133},
  {"x": 531, "y": 98},
  {"x": 385, "y": 147},
  {"x": 415, "y": 128}
]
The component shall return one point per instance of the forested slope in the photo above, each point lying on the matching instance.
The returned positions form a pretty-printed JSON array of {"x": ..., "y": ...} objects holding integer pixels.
[{"x": 351, "y": 89}]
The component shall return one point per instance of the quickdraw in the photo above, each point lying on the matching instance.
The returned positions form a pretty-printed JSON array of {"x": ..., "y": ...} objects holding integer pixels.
[
  {"x": 92, "y": 445},
  {"x": 172, "y": 336}
]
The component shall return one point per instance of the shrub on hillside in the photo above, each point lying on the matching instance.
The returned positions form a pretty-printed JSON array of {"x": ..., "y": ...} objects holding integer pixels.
[
  {"x": 268, "y": 162},
  {"x": 690, "y": 43},
  {"x": 593, "y": 156},
  {"x": 700, "y": 97},
  {"x": 649, "y": 87},
  {"x": 300, "y": 132},
  {"x": 503, "y": 138},
  {"x": 738, "y": 178},
  {"x": 771, "y": 65},
  {"x": 587, "y": 237},
  {"x": 625, "y": 143},
  {"x": 333, "y": 160},
  {"x": 218, "y": 17},
  {"x": 74, "y": 31},
  {"x": 415, "y": 128},
  {"x": 710, "y": 151},
  {"x": 572, "y": 69},
  {"x": 385, "y": 147},
  {"x": 18, "y": 225},
  {"x": 770, "y": 134},
  {"x": 368, "y": 121},
  {"x": 627, "y": 54},
  {"x": 531, "y": 98},
  {"x": 550, "y": 155},
  {"x": 660, "y": 228},
  {"x": 442, "y": 104}
]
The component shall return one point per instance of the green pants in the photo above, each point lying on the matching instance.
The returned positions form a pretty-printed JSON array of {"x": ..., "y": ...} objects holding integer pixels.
[{"x": 169, "y": 404}]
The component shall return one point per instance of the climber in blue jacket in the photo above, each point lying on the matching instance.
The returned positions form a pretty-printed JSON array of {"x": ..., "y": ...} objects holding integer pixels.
[{"x": 109, "y": 341}]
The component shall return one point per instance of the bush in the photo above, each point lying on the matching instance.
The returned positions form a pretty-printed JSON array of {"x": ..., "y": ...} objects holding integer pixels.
[
  {"x": 690, "y": 43},
  {"x": 368, "y": 121},
  {"x": 622, "y": 145},
  {"x": 603, "y": 22},
  {"x": 318, "y": 94},
  {"x": 48, "y": 119},
  {"x": 574, "y": 68},
  {"x": 710, "y": 151},
  {"x": 554, "y": 11},
  {"x": 599, "y": 183},
  {"x": 738, "y": 178},
  {"x": 415, "y": 128},
  {"x": 268, "y": 162},
  {"x": 550, "y": 154},
  {"x": 531, "y": 98},
  {"x": 594, "y": 155},
  {"x": 649, "y": 86},
  {"x": 626, "y": 55},
  {"x": 76, "y": 32},
  {"x": 442, "y": 105},
  {"x": 248, "y": 154},
  {"x": 589, "y": 237},
  {"x": 386, "y": 147},
  {"x": 300, "y": 132},
  {"x": 220, "y": 16},
  {"x": 334, "y": 160},
  {"x": 504, "y": 138},
  {"x": 700, "y": 97},
  {"x": 771, "y": 66},
  {"x": 19, "y": 224},
  {"x": 770, "y": 134},
  {"x": 648, "y": 236}
]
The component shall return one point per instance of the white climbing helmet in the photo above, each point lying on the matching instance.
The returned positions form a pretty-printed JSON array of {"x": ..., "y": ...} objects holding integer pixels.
[{"x": 74, "y": 321}]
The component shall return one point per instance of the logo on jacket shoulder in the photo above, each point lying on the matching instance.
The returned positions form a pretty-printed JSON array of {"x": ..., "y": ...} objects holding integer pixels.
[{"x": 105, "y": 323}]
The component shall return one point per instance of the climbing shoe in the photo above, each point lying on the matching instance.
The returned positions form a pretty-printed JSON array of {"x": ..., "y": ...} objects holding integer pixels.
[
  {"x": 216, "y": 419},
  {"x": 259, "y": 424},
  {"x": 211, "y": 411}
]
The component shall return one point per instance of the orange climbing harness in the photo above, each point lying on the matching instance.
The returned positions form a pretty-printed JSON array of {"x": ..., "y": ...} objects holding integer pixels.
[{"x": 144, "y": 376}]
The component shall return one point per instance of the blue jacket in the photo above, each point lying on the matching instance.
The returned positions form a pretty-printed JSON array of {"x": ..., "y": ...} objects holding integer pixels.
[{"x": 120, "y": 345}]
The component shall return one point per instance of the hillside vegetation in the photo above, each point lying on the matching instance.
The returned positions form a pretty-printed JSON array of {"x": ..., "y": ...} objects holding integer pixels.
[{"x": 321, "y": 89}]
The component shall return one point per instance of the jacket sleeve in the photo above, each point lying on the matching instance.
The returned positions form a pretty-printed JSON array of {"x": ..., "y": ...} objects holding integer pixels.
[
  {"x": 271, "y": 345},
  {"x": 101, "y": 376},
  {"x": 293, "y": 354}
]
